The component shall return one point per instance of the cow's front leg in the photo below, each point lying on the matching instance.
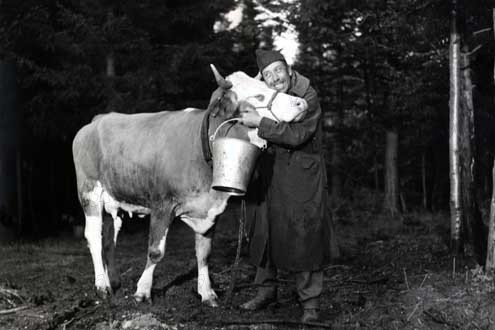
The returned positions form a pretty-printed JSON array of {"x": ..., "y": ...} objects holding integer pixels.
[
  {"x": 203, "y": 249},
  {"x": 156, "y": 250}
]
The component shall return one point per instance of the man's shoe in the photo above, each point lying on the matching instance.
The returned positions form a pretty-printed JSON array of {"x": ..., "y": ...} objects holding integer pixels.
[
  {"x": 310, "y": 315},
  {"x": 262, "y": 299}
]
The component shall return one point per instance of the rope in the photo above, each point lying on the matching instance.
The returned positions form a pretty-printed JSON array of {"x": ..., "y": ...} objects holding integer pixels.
[
  {"x": 235, "y": 267},
  {"x": 269, "y": 105}
]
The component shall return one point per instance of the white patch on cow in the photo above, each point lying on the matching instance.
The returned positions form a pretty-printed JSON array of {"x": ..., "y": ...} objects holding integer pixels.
[
  {"x": 92, "y": 232},
  {"x": 163, "y": 241},
  {"x": 112, "y": 207},
  {"x": 204, "y": 285},
  {"x": 189, "y": 109},
  {"x": 285, "y": 107},
  {"x": 95, "y": 194},
  {"x": 117, "y": 224},
  {"x": 143, "y": 291},
  {"x": 203, "y": 249},
  {"x": 217, "y": 209},
  {"x": 202, "y": 225},
  {"x": 256, "y": 140},
  {"x": 199, "y": 225}
]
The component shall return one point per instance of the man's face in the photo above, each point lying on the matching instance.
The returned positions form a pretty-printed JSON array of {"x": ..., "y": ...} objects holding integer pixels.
[{"x": 277, "y": 76}]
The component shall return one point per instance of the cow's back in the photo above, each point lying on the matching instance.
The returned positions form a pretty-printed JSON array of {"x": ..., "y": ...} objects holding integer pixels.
[{"x": 142, "y": 157}]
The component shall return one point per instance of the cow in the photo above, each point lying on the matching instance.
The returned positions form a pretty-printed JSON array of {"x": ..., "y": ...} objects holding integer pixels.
[{"x": 158, "y": 164}]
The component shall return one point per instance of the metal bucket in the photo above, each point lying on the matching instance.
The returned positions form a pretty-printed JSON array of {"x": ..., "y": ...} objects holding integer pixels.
[{"x": 233, "y": 164}]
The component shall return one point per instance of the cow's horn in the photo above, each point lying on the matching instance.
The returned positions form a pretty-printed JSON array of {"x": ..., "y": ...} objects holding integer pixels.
[{"x": 221, "y": 81}]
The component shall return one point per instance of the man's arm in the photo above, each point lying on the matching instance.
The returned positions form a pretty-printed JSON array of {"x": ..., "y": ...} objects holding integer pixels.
[{"x": 293, "y": 134}]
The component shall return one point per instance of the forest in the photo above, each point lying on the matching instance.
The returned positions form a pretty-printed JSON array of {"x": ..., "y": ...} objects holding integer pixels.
[{"x": 407, "y": 93}]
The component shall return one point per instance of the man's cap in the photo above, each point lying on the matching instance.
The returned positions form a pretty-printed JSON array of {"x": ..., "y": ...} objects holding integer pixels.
[{"x": 267, "y": 57}]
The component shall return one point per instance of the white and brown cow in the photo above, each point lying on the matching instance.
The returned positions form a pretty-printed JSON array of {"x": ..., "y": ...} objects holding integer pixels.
[{"x": 154, "y": 163}]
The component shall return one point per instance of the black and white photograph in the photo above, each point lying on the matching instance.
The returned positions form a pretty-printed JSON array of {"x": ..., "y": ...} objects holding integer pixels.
[{"x": 247, "y": 164}]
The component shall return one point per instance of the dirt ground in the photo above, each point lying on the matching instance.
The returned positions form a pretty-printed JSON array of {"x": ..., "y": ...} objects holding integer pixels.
[{"x": 395, "y": 273}]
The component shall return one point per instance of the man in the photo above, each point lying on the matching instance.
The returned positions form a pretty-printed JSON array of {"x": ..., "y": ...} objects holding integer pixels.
[{"x": 290, "y": 226}]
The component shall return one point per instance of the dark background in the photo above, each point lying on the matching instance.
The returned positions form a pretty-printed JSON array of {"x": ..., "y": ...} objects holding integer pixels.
[{"x": 378, "y": 66}]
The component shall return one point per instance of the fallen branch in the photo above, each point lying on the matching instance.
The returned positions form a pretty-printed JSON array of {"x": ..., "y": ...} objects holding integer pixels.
[
  {"x": 412, "y": 313},
  {"x": 439, "y": 318},
  {"x": 424, "y": 279},
  {"x": 78, "y": 317},
  {"x": 275, "y": 321},
  {"x": 8, "y": 293},
  {"x": 405, "y": 278},
  {"x": 12, "y": 310},
  {"x": 336, "y": 266},
  {"x": 379, "y": 280}
]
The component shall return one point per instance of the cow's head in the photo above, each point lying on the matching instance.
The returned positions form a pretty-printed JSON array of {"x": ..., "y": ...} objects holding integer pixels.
[{"x": 239, "y": 88}]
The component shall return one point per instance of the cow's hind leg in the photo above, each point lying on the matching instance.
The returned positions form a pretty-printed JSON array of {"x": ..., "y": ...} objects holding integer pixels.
[
  {"x": 203, "y": 249},
  {"x": 92, "y": 204},
  {"x": 110, "y": 228},
  {"x": 159, "y": 224}
]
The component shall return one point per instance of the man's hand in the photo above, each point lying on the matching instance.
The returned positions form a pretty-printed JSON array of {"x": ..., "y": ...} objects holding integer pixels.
[
  {"x": 249, "y": 115},
  {"x": 250, "y": 119}
]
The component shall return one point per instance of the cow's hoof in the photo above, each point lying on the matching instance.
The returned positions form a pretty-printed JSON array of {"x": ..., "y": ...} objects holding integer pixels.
[
  {"x": 212, "y": 302},
  {"x": 103, "y": 292},
  {"x": 142, "y": 297}
]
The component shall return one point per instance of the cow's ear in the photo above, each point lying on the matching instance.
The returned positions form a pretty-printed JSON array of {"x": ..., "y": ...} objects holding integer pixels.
[
  {"x": 215, "y": 100},
  {"x": 222, "y": 104}
]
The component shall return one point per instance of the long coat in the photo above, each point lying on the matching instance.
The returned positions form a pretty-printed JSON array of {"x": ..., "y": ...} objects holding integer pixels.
[{"x": 289, "y": 223}]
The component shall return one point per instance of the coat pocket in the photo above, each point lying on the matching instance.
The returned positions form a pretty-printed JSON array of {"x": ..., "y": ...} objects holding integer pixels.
[
  {"x": 308, "y": 162},
  {"x": 305, "y": 173}
]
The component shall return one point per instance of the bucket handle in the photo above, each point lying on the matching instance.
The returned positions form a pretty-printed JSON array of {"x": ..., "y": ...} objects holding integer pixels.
[{"x": 212, "y": 138}]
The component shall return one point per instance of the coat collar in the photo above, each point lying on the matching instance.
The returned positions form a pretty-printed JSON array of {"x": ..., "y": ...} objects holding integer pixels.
[{"x": 299, "y": 84}]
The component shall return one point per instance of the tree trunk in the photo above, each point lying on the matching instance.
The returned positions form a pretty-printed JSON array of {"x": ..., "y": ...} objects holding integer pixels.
[
  {"x": 336, "y": 182},
  {"x": 336, "y": 150},
  {"x": 454, "y": 152},
  {"x": 9, "y": 148},
  {"x": 490, "y": 255},
  {"x": 423, "y": 180},
  {"x": 472, "y": 227},
  {"x": 368, "y": 74},
  {"x": 20, "y": 204},
  {"x": 110, "y": 65},
  {"x": 391, "y": 173}
]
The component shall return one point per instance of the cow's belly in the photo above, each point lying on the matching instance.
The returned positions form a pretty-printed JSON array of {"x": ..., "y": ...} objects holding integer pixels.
[
  {"x": 192, "y": 202},
  {"x": 113, "y": 204}
]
